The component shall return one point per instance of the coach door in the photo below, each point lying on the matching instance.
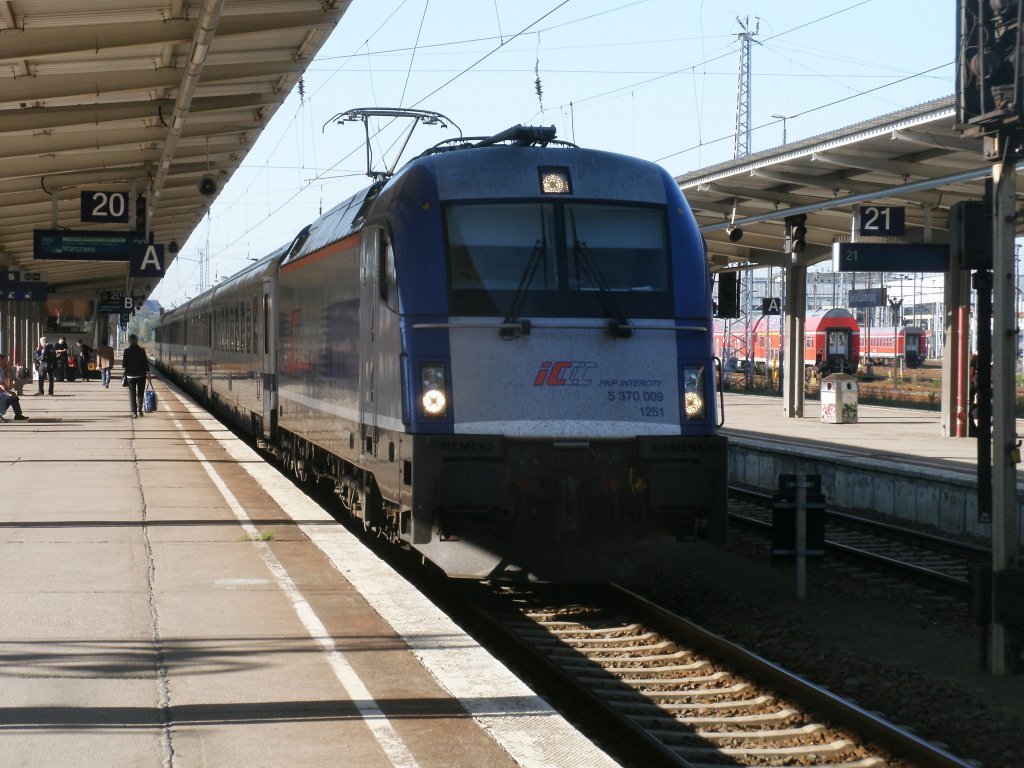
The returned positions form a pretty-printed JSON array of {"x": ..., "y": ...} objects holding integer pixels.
[
  {"x": 369, "y": 321},
  {"x": 268, "y": 344},
  {"x": 838, "y": 352}
]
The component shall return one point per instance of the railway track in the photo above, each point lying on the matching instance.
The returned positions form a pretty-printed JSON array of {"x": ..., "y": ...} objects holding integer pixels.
[
  {"x": 657, "y": 690},
  {"x": 940, "y": 562},
  {"x": 660, "y": 690},
  {"x": 682, "y": 696}
]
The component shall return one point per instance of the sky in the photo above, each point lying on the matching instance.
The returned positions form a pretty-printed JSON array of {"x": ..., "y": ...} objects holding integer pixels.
[{"x": 652, "y": 78}]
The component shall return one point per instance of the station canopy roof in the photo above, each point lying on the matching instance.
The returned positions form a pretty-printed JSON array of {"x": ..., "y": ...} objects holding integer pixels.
[
  {"x": 155, "y": 95},
  {"x": 914, "y": 158}
]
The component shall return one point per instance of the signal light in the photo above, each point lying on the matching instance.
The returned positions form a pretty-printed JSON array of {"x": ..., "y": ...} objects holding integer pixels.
[
  {"x": 970, "y": 232},
  {"x": 988, "y": 78},
  {"x": 796, "y": 233},
  {"x": 728, "y": 295},
  {"x": 140, "y": 212}
]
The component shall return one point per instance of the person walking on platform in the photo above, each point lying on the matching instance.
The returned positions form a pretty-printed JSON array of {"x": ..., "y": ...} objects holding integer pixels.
[
  {"x": 83, "y": 356},
  {"x": 46, "y": 363},
  {"x": 136, "y": 368},
  {"x": 61, "y": 349},
  {"x": 105, "y": 361}
]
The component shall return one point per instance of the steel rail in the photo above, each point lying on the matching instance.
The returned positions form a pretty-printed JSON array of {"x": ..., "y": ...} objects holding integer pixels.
[{"x": 866, "y": 724}]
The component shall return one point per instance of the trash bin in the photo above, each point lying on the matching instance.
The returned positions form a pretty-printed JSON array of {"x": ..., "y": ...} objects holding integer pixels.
[{"x": 839, "y": 399}]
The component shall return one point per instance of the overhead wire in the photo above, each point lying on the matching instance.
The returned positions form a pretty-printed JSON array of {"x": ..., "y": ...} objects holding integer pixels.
[
  {"x": 491, "y": 52},
  {"x": 412, "y": 58},
  {"x": 435, "y": 91},
  {"x": 419, "y": 50},
  {"x": 500, "y": 37},
  {"x": 832, "y": 103},
  {"x": 707, "y": 60}
]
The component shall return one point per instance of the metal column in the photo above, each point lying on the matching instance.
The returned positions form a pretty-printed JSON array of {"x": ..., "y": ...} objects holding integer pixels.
[
  {"x": 1005, "y": 525},
  {"x": 957, "y": 302},
  {"x": 796, "y": 313}
]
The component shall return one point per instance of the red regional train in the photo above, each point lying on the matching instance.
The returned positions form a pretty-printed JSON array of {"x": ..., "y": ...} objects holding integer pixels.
[
  {"x": 885, "y": 344},
  {"x": 831, "y": 342}
]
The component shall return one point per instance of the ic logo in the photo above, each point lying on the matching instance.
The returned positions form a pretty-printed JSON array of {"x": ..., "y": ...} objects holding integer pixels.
[{"x": 563, "y": 373}]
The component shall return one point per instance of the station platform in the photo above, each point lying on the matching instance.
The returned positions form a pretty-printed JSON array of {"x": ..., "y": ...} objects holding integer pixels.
[
  {"x": 169, "y": 599},
  {"x": 907, "y": 435},
  {"x": 895, "y": 461}
]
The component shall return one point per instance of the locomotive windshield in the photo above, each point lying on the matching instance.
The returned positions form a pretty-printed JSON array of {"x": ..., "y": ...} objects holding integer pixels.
[{"x": 559, "y": 258}]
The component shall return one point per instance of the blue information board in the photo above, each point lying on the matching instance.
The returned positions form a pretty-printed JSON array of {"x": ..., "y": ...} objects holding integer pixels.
[
  {"x": 86, "y": 246},
  {"x": 24, "y": 291},
  {"x": 890, "y": 257},
  {"x": 16, "y": 285}
]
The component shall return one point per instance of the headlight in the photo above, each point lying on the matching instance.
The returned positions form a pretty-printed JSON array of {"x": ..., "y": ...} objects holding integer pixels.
[
  {"x": 693, "y": 391},
  {"x": 433, "y": 400}
]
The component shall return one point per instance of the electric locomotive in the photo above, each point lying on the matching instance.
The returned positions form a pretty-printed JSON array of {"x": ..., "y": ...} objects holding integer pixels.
[{"x": 500, "y": 356}]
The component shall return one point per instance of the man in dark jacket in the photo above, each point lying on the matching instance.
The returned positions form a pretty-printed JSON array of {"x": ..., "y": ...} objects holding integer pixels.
[
  {"x": 82, "y": 358},
  {"x": 46, "y": 363},
  {"x": 61, "y": 350},
  {"x": 136, "y": 368}
]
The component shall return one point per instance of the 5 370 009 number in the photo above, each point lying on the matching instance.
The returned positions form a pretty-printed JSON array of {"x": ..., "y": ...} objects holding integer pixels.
[{"x": 635, "y": 396}]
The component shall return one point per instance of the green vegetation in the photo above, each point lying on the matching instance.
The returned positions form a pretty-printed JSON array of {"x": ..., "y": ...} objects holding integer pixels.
[
  {"x": 144, "y": 321},
  {"x": 267, "y": 535}
]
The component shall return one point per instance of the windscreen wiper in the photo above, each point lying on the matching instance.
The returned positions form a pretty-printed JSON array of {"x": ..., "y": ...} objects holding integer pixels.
[
  {"x": 618, "y": 324},
  {"x": 512, "y": 327}
]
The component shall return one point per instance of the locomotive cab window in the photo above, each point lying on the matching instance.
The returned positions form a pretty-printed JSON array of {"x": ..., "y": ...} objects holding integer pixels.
[
  {"x": 388, "y": 277},
  {"x": 559, "y": 258},
  {"x": 380, "y": 255}
]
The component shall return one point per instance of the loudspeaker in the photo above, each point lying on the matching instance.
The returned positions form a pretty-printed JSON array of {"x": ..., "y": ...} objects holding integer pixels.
[
  {"x": 173, "y": 247},
  {"x": 207, "y": 186}
]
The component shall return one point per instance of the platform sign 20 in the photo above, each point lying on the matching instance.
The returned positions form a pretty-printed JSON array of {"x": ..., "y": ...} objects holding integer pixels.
[
  {"x": 109, "y": 207},
  {"x": 882, "y": 221}
]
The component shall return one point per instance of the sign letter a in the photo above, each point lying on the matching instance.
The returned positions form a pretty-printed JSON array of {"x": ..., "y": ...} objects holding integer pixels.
[{"x": 150, "y": 259}]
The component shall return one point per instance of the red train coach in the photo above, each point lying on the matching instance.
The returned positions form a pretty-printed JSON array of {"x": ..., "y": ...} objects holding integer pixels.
[
  {"x": 884, "y": 345},
  {"x": 831, "y": 341}
]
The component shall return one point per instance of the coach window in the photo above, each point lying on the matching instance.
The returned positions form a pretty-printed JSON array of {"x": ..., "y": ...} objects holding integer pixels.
[
  {"x": 266, "y": 324},
  {"x": 254, "y": 313},
  {"x": 247, "y": 338}
]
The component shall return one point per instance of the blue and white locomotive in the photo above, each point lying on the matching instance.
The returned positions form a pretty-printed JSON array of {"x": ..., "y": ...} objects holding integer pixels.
[{"x": 501, "y": 356}]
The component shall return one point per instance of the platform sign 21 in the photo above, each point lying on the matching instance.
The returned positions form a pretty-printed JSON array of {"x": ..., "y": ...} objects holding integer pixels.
[{"x": 882, "y": 221}]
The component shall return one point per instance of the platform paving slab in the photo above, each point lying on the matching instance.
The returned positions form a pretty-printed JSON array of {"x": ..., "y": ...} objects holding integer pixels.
[{"x": 139, "y": 627}]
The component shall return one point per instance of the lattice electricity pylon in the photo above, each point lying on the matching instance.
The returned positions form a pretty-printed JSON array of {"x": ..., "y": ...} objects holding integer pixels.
[{"x": 741, "y": 145}]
